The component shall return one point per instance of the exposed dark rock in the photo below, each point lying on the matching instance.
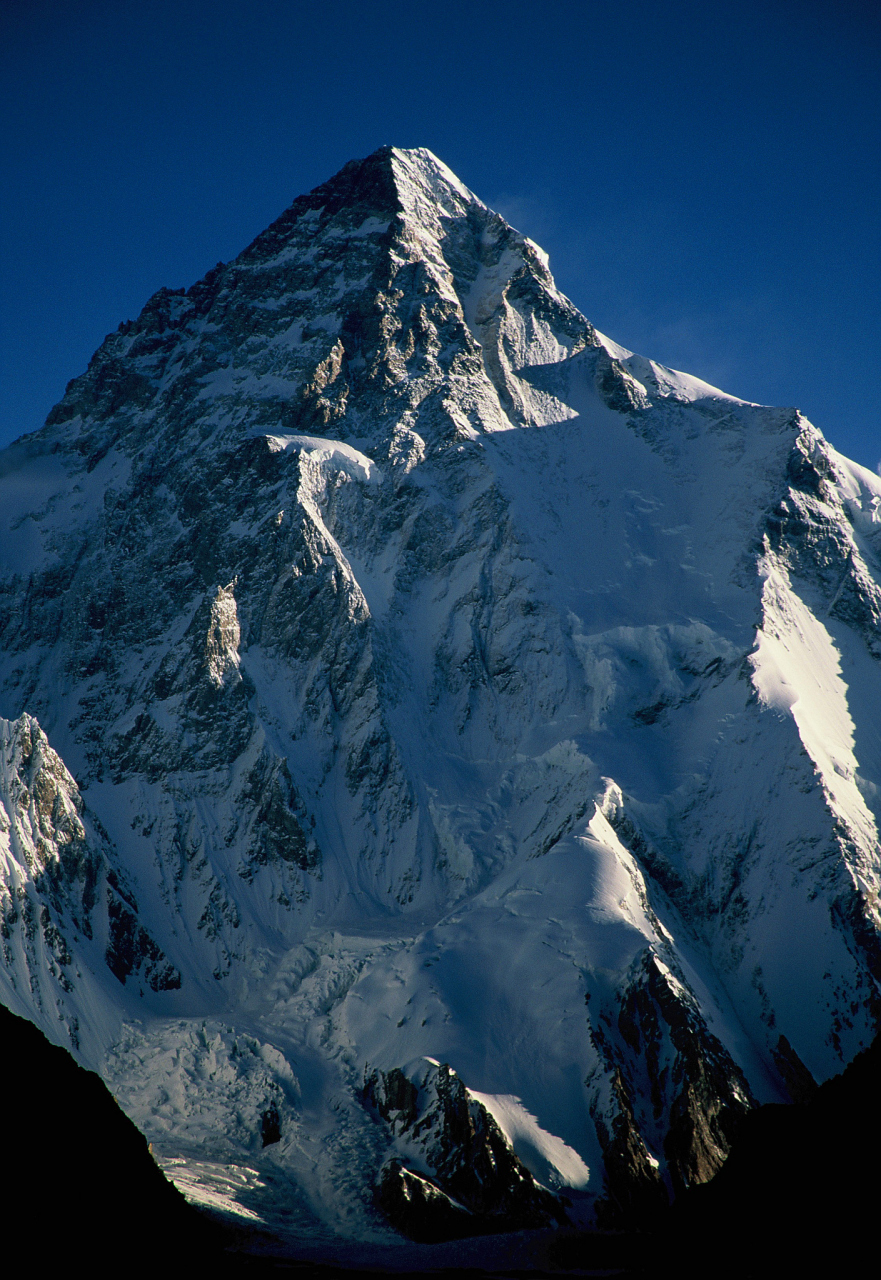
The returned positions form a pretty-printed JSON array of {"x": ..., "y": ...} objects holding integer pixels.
[
  {"x": 635, "y": 1188},
  {"x": 270, "y": 1126},
  {"x": 394, "y": 1096},
  {"x": 673, "y": 1090},
  {"x": 706, "y": 1092},
  {"x": 798, "y": 1080},
  {"x": 418, "y": 1208},
  {"x": 475, "y": 1184},
  {"x": 131, "y": 950},
  {"x": 279, "y": 829},
  {"x": 797, "y": 1196},
  {"x": 616, "y": 386}
]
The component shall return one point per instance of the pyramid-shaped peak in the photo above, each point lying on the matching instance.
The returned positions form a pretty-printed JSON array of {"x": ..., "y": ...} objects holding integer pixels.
[
  {"x": 391, "y": 181},
  {"x": 399, "y": 170},
  {"x": 421, "y": 167},
  {"x": 367, "y": 279}
]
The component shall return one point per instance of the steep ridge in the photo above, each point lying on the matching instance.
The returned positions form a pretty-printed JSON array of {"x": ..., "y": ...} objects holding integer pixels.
[{"x": 443, "y": 684}]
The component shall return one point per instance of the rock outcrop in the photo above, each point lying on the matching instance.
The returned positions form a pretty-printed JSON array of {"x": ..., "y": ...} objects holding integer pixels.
[{"x": 453, "y": 1172}]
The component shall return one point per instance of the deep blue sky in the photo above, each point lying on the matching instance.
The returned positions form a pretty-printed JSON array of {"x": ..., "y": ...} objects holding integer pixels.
[{"x": 705, "y": 176}]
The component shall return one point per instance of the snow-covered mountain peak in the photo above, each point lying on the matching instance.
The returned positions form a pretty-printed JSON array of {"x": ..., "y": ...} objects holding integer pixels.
[
  {"x": 419, "y": 170},
  {"x": 417, "y": 675},
  {"x": 388, "y": 291}
]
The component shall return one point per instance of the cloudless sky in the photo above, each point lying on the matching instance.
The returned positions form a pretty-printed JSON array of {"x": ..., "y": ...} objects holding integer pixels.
[{"x": 705, "y": 176}]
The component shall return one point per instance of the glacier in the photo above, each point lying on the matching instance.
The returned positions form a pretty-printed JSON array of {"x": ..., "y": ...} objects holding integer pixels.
[{"x": 439, "y": 766}]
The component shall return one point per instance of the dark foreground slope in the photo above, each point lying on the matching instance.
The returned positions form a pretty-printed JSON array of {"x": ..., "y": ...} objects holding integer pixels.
[
  {"x": 79, "y": 1182},
  {"x": 797, "y": 1197}
]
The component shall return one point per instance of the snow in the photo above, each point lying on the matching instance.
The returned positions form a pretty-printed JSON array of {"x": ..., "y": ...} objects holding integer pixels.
[
  {"x": 548, "y": 1159},
  {"x": 666, "y": 382},
  {"x": 42, "y": 498},
  {"x": 343, "y": 456},
  {"x": 215, "y": 1186},
  {"x": 420, "y": 167},
  {"x": 797, "y": 670}
]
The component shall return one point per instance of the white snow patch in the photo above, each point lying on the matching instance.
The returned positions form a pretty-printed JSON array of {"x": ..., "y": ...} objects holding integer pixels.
[
  {"x": 355, "y": 464},
  {"x": 797, "y": 670},
  {"x": 549, "y": 1159},
  {"x": 214, "y": 1186}
]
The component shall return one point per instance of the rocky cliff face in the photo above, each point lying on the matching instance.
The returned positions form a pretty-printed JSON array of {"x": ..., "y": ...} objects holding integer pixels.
[
  {"x": 451, "y": 1171},
  {"x": 429, "y": 678}
]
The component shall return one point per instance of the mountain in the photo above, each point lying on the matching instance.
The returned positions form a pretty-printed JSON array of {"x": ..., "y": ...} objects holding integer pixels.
[{"x": 439, "y": 764}]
